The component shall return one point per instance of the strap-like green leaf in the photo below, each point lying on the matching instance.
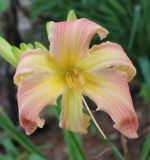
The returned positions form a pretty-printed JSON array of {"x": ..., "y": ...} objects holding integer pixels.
[
  {"x": 146, "y": 148},
  {"x": 6, "y": 124}
]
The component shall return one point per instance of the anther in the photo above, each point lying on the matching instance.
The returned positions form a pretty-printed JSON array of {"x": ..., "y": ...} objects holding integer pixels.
[{"x": 75, "y": 79}]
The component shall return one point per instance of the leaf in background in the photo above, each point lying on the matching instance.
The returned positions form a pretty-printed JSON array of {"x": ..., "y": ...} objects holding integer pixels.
[
  {"x": 35, "y": 157},
  {"x": 9, "y": 146},
  {"x": 43, "y": 7},
  {"x": 116, "y": 5},
  {"x": 146, "y": 148},
  {"x": 135, "y": 25},
  {"x": 4, "y": 5},
  {"x": 145, "y": 92},
  {"x": 144, "y": 64},
  {"x": 74, "y": 144},
  {"x": 4, "y": 157},
  {"x": 6, "y": 124}
]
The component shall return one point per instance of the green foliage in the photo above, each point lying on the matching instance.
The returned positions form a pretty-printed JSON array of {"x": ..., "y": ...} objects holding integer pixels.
[
  {"x": 75, "y": 146},
  {"x": 35, "y": 157},
  {"x": 12, "y": 53},
  {"x": 145, "y": 92},
  {"x": 146, "y": 149},
  {"x": 17, "y": 136},
  {"x": 128, "y": 25},
  {"x": 4, "y": 5},
  {"x": 145, "y": 71},
  {"x": 43, "y": 7},
  {"x": 59, "y": 8},
  {"x": 145, "y": 68},
  {"x": 10, "y": 148},
  {"x": 6, "y": 52}
]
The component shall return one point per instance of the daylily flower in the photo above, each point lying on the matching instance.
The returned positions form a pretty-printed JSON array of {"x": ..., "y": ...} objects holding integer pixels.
[{"x": 72, "y": 69}]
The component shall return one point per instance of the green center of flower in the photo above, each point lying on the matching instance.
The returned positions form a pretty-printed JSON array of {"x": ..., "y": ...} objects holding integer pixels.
[{"x": 75, "y": 79}]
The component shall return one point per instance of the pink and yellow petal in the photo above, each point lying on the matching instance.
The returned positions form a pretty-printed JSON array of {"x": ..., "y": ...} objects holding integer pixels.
[
  {"x": 69, "y": 41},
  {"x": 108, "y": 55},
  {"x": 34, "y": 94},
  {"x": 35, "y": 61},
  {"x": 72, "y": 116},
  {"x": 110, "y": 91}
]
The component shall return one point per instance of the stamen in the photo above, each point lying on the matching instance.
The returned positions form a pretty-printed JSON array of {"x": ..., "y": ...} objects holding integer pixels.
[
  {"x": 98, "y": 127},
  {"x": 75, "y": 79}
]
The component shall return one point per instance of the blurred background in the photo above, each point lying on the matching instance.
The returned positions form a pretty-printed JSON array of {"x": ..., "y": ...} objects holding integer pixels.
[{"x": 128, "y": 22}]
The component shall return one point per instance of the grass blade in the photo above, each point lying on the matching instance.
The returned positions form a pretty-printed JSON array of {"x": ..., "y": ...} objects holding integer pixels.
[
  {"x": 136, "y": 19},
  {"x": 6, "y": 124},
  {"x": 146, "y": 148},
  {"x": 74, "y": 144}
]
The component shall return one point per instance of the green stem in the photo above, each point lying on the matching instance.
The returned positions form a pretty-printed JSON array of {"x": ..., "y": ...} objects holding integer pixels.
[
  {"x": 93, "y": 119},
  {"x": 102, "y": 136},
  {"x": 72, "y": 140},
  {"x": 110, "y": 144},
  {"x": 74, "y": 144}
]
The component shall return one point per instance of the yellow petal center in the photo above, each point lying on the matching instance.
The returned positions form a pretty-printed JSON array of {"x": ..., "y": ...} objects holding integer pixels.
[{"x": 75, "y": 78}]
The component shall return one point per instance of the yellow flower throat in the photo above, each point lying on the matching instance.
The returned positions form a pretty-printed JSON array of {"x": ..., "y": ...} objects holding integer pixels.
[{"x": 75, "y": 79}]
